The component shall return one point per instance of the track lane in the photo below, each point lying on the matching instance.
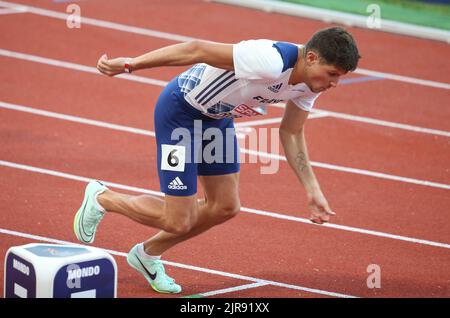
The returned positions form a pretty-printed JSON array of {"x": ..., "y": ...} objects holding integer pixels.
[
  {"x": 389, "y": 100},
  {"x": 329, "y": 137},
  {"x": 130, "y": 159},
  {"x": 299, "y": 254},
  {"x": 398, "y": 54}
]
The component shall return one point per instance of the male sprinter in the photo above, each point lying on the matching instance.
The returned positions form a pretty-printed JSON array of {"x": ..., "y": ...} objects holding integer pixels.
[{"x": 226, "y": 81}]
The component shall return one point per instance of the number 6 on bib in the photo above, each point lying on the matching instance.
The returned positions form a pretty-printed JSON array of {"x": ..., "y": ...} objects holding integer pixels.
[{"x": 173, "y": 157}]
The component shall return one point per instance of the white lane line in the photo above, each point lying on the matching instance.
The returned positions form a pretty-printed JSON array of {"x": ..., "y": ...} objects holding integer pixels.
[
  {"x": 385, "y": 123},
  {"x": 181, "y": 38},
  {"x": 76, "y": 119},
  {"x": 260, "y": 122},
  {"x": 140, "y": 79},
  {"x": 184, "y": 266},
  {"x": 11, "y": 11},
  {"x": 244, "y": 209},
  {"x": 346, "y": 228},
  {"x": 77, "y": 67},
  {"x": 336, "y": 17},
  {"x": 261, "y": 154},
  {"x": 373, "y": 121},
  {"x": 257, "y": 280},
  {"x": 231, "y": 289},
  {"x": 99, "y": 23},
  {"x": 244, "y": 128},
  {"x": 315, "y": 113},
  {"x": 275, "y": 120},
  {"x": 134, "y": 78},
  {"x": 401, "y": 78},
  {"x": 363, "y": 172}
]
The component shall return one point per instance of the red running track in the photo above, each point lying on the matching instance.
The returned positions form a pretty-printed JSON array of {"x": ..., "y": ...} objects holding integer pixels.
[{"x": 262, "y": 247}]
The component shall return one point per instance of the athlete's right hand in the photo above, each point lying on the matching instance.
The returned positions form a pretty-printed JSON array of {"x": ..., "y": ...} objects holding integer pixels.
[
  {"x": 319, "y": 208},
  {"x": 111, "y": 67}
]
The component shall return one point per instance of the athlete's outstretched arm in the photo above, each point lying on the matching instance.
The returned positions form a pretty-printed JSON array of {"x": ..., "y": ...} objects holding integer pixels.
[
  {"x": 293, "y": 139},
  {"x": 187, "y": 53}
]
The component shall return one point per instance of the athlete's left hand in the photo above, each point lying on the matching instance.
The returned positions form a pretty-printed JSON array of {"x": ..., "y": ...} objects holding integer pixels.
[
  {"x": 319, "y": 208},
  {"x": 111, "y": 67}
]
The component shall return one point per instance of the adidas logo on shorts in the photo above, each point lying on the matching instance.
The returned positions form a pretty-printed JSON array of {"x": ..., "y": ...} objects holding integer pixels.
[{"x": 176, "y": 184}]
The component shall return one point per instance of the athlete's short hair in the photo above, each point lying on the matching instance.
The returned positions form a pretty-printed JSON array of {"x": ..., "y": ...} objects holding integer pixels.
[{"x": 335, "y": 46}]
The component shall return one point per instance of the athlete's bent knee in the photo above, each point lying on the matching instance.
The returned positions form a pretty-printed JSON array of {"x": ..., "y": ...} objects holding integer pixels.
[
  {"x": 180, "y": 223},
  {"x": 180, "y": 216},
  {"x": 226, "y": 212},
  {"x": 178, "y": 226}
]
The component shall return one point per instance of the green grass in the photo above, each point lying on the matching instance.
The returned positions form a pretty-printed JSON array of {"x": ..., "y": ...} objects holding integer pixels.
[{"x": 408, "y": 11}]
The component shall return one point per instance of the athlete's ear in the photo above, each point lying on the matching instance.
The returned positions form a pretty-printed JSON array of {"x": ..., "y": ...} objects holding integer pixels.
[{"x": 311, "y": 58}]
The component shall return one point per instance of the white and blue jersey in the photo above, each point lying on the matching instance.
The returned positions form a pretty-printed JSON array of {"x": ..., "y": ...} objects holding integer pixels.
[
  {"x": 213, "y": 97},
  {"x": 261, "y": 74}
]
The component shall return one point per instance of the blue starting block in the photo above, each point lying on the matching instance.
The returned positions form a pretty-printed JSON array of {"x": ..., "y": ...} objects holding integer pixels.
[{"x": 59, "y": 271}]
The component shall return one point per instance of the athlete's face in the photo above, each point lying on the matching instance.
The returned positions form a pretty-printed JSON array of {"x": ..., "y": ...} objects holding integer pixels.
[{"x": 320, "y": 76}]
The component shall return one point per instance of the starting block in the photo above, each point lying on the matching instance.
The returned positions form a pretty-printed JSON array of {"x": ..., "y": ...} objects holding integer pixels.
[{"x": 59, "y": 271}]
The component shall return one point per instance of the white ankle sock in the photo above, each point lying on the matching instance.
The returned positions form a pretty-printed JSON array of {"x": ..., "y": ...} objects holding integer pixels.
[{"x": 144, "y": 255}]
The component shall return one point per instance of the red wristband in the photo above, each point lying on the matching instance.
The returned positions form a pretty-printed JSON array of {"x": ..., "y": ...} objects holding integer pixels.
[{"x": 127, "y": 66}]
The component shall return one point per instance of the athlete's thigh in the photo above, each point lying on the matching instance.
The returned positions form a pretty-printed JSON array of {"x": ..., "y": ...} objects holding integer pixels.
[
  {"x": 174, "y": 128},
  {"x": 220, "y": 156}
]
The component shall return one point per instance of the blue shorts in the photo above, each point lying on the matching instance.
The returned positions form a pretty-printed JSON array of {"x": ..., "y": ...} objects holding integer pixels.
[{"x": 190, "y": 144}]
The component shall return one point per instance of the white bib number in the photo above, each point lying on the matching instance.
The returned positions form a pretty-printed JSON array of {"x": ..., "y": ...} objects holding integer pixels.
[{"x": 173, "y": 158}]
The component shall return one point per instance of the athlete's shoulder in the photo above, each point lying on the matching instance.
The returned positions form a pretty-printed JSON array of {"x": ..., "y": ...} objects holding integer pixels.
[
  {"x": 288, "y": 52},
  {"x": 262, "y": 58}
]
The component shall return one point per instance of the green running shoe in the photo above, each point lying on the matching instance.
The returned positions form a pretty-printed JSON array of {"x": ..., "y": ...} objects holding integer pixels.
[
  {"x": 90, "y": 213},
  {"x": 154, "y": 272}
]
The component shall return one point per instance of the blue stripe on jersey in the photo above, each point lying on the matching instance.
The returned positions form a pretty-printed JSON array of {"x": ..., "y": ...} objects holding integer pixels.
[
  {"x": 188, "y": 80},
  {"x": 288, "y": 52}
]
